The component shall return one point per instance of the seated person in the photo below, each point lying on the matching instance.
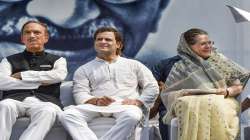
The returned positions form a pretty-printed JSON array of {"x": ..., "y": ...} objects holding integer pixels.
[
  {"x": 160, "y": 72},
  {"x": 110, "y": 84},
  {"x": 201, "y": 90},
  {"x": 30, "y": 82}
]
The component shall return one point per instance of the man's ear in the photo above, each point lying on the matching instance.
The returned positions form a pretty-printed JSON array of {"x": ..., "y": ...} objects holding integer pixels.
[{"x": 120, "y": 45}]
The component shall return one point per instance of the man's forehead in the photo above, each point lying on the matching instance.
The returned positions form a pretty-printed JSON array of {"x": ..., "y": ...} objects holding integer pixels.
[
  {"x": 34, "y": 26},
  {"x": 106, "y": 34}
]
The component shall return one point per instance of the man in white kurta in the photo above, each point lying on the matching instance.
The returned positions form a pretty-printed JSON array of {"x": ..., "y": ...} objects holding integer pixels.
[
  {"x": 109, "y": 84},
  {"x": 30, "y": 84}
]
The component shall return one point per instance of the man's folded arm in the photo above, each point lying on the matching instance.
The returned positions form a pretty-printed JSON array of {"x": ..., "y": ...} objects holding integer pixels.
[
  {"x": 9, "y": 83},
  {"x": 56, "y": 75}
]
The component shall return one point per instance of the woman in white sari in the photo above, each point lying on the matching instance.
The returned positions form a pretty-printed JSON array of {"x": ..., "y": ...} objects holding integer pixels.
[{"x": 201, "y": 90}]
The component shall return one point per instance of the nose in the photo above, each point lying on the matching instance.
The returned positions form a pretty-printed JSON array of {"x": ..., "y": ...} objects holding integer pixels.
[
  {"x": 32, "y": 34},
  {"x": 64, "y": 13},
  {"x": 103, "y": 41}
]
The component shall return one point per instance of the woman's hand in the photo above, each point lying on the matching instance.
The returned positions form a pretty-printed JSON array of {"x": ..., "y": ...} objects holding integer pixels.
[
  {"x": 235, "y": 90},
  {"x": 230, "y": 91}
]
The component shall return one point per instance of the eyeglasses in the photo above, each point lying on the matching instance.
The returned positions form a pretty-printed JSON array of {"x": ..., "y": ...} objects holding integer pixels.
[{"x": 210, "y": 43}]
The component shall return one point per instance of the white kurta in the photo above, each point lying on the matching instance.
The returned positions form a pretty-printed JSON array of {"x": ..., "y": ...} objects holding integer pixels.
[{"x": 121, "y": 79}]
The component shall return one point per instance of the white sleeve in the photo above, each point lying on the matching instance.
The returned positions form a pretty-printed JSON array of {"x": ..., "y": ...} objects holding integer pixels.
[
  {"x": 148, "y": 85},
  {"x": 81, "y": 88},
  {"x": 56, "y": 75},
  {"x": 9, "y": 83}
]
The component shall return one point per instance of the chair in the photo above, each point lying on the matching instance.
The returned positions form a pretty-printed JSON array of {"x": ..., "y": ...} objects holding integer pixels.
[{"x": 174, "y": 129}]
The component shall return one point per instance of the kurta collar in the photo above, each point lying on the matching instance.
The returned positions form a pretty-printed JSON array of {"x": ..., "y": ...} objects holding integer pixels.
[{"x": 101, "y": 60}]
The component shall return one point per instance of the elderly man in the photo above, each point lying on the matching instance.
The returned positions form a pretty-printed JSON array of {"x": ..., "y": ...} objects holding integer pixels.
[
  {"x": 30, "y": 84},
  {"x": 109, "y": 83}
]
